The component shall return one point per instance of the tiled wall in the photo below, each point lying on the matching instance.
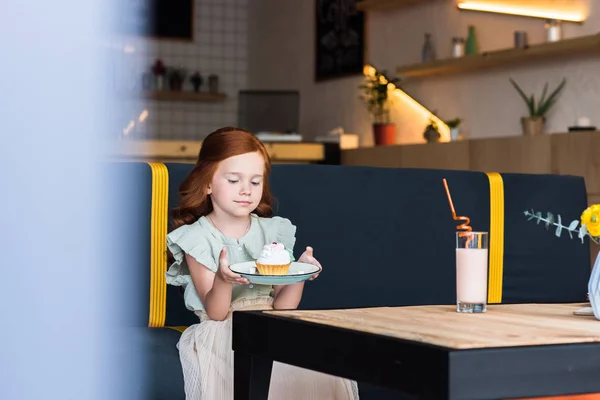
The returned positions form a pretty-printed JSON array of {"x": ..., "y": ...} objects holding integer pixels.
[{"x": 219, "y": 47}]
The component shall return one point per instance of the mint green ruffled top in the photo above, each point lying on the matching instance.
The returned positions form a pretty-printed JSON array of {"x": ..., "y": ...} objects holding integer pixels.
[{"x": 204, "y": 242}]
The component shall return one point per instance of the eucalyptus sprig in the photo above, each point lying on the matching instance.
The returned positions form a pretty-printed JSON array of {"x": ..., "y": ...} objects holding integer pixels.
[{"x": 552, "y": 220}]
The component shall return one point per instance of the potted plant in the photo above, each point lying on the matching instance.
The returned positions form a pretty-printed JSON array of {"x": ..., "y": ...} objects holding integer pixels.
[
  {"x": 453, "y": 124},
  {"x": 534, "y": 123},
  {"x": 159, "y": 70},
  {"x": 376, "y": 96},
  {"x": 432, "y": 134},
  {"x": 176, "y": 78},
  {"x": 196, "y": 80}
]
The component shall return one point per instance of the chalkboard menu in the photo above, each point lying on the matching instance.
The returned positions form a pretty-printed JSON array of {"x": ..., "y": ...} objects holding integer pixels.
[
  {"x": 168, "y": 19},
  {"x": 339, "y": 39}
]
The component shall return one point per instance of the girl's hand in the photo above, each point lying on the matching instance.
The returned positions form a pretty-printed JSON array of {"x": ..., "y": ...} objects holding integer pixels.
[
  {"x": 308, "y": 258},
  {"x": 226, "y": 274}
]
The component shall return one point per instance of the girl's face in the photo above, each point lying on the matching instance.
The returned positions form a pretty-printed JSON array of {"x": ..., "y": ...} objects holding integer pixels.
[{"x": 237, "y": 185}]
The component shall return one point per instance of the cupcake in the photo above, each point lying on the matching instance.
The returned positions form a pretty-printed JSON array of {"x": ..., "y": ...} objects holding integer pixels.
[{"x": 274, "y": 259}]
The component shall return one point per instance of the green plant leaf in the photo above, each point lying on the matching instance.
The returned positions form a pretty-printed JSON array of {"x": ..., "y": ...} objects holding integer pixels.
[
  {"x": 573, "y": 225},
  {"x": 539, "y": 217},
  {"x": 543, "y": 96},
  {"x": 549, "y": 220},
  {"x": 582, "y": 232},
  {"x": 531, "y": 104},
  {"x": 521, "y": 92},
  {"x": 543, "y": 108},
  {"x": 559, "y": 225}
]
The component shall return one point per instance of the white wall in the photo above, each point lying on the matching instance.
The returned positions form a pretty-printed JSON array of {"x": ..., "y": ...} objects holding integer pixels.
[{"x": 281, "y": 55}]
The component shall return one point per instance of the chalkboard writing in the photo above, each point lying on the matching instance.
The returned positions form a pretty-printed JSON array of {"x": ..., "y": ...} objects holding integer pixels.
[
  {"x": 157, "y": 18},
  {"x": 339, "y": 39}
]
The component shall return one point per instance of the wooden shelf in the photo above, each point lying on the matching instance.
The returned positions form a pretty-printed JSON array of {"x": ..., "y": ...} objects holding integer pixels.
[
  {"x": 184, "y": 96},
  {"x": 187, "y": 151},
  {"x": 382, "y": 5},
  {"x": 564, "y": 48}
]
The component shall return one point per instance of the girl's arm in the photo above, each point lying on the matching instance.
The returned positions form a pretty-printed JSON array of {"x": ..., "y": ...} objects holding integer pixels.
[
  {"x": 213, "y": 288},
  {"x": 287, "y": 297}
]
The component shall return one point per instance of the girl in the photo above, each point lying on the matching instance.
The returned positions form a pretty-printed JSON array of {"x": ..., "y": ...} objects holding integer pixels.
[{"x": 225, "y": 217}]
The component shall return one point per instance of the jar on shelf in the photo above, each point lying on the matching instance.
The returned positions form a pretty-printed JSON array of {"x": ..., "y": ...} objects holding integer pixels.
[
  {"x": 521, "y": 41},
  {"x": 553, "y": 30},
  {"x": 458, "y": 47},
  {"x": 213, "y": 83}
]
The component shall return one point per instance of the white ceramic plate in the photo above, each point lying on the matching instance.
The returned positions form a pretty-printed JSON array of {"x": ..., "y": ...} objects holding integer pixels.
[{"x": 298, "y": 272}]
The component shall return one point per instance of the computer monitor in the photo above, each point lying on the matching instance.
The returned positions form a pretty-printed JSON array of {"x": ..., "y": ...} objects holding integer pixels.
[{"x": 269, "y": 110}]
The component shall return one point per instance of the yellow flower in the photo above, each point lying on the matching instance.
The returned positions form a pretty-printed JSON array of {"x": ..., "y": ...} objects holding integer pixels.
[{"x": 591, "y": 219}]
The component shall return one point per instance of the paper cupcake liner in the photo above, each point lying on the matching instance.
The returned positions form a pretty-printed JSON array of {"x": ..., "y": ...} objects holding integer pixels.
[{"x": 272, "y": 269}]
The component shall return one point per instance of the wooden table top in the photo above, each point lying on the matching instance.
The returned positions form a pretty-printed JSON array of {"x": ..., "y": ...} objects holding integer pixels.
[{"x": 503, "y": 325}]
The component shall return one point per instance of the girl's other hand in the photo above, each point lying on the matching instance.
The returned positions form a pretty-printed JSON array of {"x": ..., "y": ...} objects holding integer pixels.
[
  {"x": 226, "y": 274},
  {"x": 308, "y": 258}
]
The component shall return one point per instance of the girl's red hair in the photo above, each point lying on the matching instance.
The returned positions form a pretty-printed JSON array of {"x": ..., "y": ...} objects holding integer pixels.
[{"x": 194, "y": 202}]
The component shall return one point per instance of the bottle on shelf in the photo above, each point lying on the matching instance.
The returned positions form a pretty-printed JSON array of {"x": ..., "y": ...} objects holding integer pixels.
[
  {"x": 428, "y": 52},
  {"x": 472, "y": 47}
]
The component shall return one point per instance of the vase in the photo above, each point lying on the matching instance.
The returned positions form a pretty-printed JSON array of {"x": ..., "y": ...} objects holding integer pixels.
[
  {"x": 472, "y": 47},
  {"x": 385, "y": 134},
  {"x": 533, "y": 126},
  {"x": 454, "y": 134},
  {"x": 175, "y": 84},
  {"x": 213, "y": 83},
  {"x": 428, "y": 51},
  {"x": 431, "y": 135},
  {"x": 553, "y": 30},
  {"x": 594, "y": 288}
]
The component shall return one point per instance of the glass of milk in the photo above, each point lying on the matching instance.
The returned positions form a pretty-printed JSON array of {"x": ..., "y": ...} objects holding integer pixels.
[{"x": 471, "y": 271}]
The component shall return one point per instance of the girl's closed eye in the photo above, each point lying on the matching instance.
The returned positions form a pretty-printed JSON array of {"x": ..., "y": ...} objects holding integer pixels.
[
  {"x": 232, "y": 181},
  {"x": 255, "y": 183}
]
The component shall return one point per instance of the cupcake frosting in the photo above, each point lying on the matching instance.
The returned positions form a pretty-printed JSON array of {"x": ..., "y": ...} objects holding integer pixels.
[{"x": 274, "y": 253}]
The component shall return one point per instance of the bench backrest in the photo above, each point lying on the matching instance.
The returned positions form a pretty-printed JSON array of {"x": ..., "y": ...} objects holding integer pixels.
[{"x": 385, "y": 237}]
